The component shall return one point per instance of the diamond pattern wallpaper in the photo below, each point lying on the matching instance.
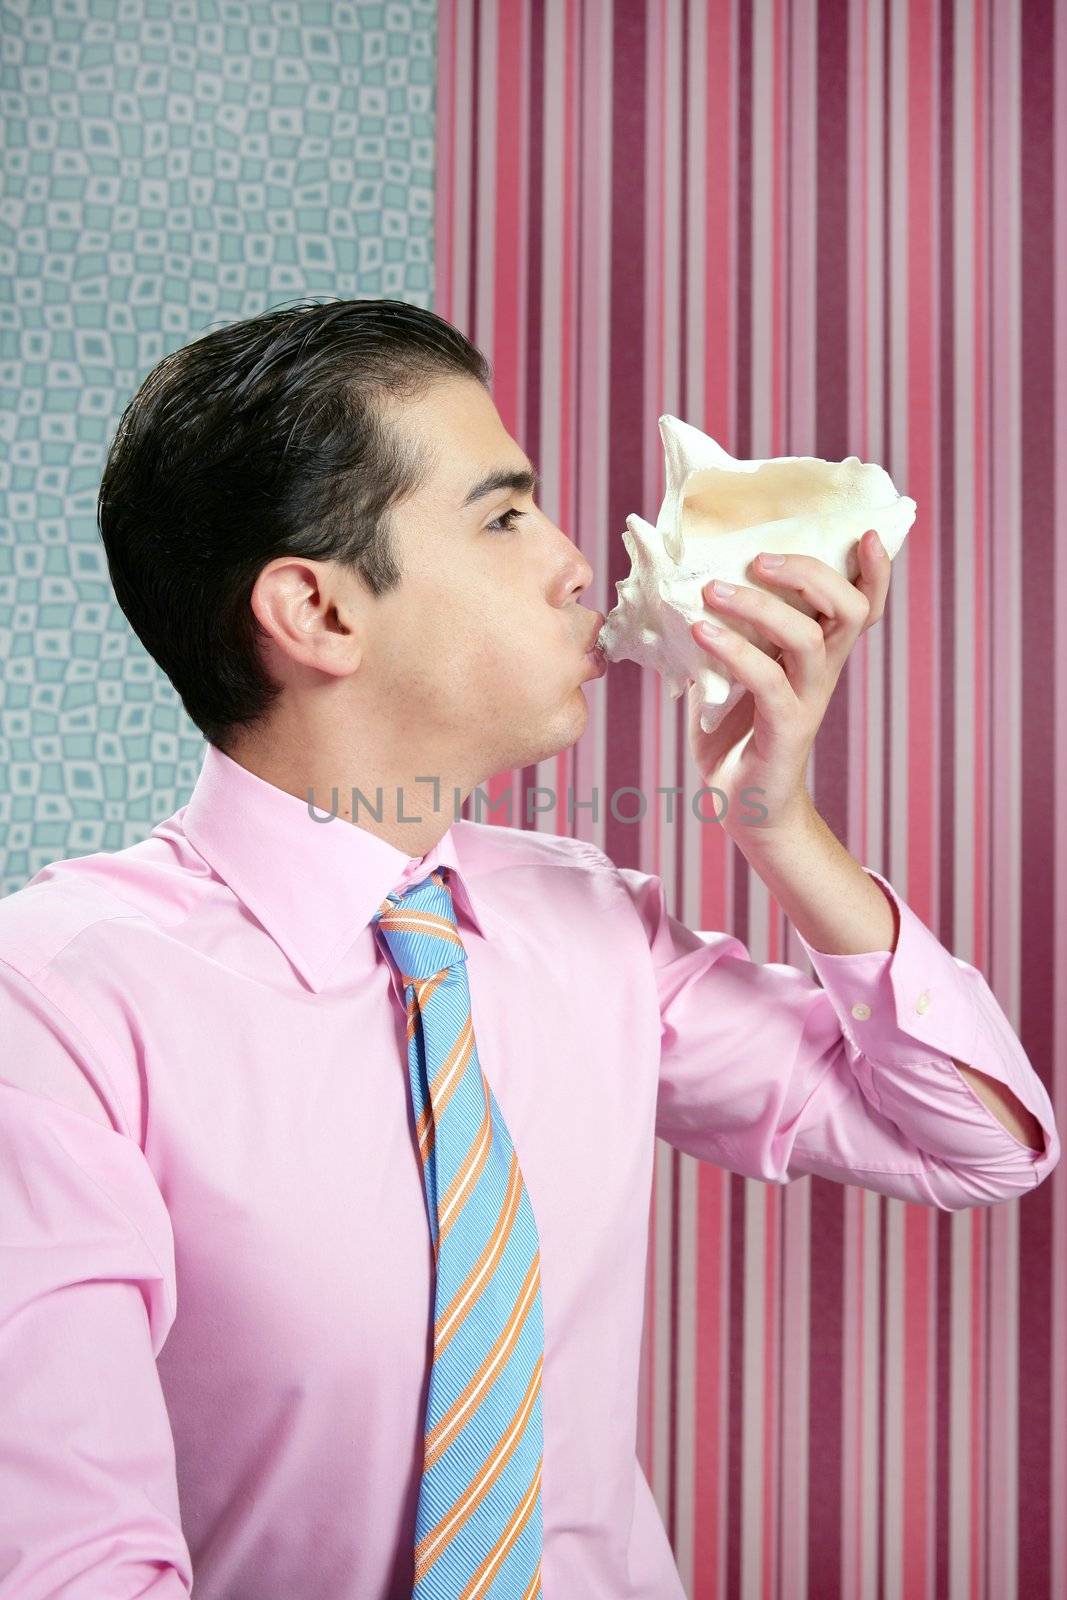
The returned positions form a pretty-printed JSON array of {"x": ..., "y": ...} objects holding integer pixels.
[{"x": 168, "y": 166}]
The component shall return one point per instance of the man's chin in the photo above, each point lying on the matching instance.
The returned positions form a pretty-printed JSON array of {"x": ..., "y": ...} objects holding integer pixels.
[{"x": 568, "y": 728}]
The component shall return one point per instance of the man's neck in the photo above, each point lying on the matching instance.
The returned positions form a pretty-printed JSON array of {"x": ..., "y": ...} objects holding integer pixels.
[{"x": 412, "y": 816}]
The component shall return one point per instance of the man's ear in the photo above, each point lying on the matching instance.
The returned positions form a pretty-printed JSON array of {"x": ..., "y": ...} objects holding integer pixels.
[{"x": 310, "y": 614}]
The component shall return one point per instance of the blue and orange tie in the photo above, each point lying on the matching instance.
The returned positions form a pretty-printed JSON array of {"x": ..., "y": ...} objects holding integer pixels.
[{"x": 478, "y": 1526}]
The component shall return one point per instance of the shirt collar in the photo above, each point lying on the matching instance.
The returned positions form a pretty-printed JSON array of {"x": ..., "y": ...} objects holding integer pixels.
[{"x": 313, "y": 884}]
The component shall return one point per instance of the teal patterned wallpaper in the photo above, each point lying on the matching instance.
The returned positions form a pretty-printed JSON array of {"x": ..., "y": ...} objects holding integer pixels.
[{"x": 167, "y": 166}]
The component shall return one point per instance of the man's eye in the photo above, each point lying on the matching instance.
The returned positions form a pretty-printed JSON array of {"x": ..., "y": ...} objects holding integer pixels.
[{"x": 505, "y": 522}]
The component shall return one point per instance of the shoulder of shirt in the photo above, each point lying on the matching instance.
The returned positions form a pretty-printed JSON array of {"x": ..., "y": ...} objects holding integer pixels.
[
  {"x": 68, "y": 897},
  {"x": 505, "y": 846}
]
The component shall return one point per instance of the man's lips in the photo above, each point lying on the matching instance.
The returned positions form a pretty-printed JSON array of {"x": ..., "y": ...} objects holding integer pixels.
[{"x": 595, "y": 654}]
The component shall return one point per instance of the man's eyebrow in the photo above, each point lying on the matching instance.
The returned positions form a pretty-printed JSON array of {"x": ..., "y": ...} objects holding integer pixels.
[{"x": 522, "y": 480}]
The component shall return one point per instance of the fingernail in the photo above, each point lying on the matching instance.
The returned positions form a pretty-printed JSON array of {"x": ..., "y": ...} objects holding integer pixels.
[
  {"x": 708, "y": 628},
  {"x": 721, "y": 587},
  {"x": 877, "y": 547},
  {"x": 772, "y": 561}
]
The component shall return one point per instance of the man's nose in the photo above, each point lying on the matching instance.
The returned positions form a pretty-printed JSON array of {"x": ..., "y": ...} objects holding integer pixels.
[{"x": 583, "y": 570}]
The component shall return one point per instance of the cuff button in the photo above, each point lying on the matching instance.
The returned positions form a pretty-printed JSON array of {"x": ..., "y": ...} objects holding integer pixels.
[
  {"x": 923, "y": 1002},
  {"x": 862, "y": 1010}
]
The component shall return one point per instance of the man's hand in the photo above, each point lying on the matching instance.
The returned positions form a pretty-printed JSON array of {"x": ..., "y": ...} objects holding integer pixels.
[{"x": 764, "y": 742}]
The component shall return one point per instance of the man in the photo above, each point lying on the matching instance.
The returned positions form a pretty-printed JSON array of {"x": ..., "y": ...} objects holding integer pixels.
[{"x": 328, "y": 1117}]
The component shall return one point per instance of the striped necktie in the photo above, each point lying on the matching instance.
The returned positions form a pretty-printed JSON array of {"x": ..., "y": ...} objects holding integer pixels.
[{"x": 478, "y": 1527}]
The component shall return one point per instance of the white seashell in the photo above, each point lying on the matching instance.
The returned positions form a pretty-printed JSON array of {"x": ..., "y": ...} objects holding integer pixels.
[{"x": 717, "y": 515}]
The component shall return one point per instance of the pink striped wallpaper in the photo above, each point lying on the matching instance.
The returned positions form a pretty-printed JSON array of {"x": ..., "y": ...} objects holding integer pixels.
[{"x": 826, "y": 227}]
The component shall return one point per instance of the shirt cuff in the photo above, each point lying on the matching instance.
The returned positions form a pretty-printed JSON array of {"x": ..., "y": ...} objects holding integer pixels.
[{"x": 890, "y": 1000}]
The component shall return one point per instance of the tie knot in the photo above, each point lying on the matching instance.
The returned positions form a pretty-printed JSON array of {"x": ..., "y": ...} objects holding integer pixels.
[{"x": 419, "y": 926}]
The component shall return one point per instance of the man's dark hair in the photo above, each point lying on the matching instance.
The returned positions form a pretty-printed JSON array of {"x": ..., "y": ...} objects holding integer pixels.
[{"x": 263, "y": 439}]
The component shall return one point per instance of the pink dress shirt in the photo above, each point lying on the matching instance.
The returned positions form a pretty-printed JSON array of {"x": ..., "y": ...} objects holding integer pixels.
[{"x": 215, "y": 1260}]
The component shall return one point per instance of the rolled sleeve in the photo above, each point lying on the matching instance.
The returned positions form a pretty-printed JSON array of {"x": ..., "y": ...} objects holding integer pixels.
[
  {"x": 772, "y": 1074},
  {"x": 88, "y": 1490},
  {"x": 920, "y": 1007},
  {"x": 917, "y": 993}
]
